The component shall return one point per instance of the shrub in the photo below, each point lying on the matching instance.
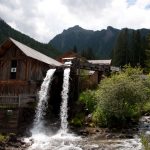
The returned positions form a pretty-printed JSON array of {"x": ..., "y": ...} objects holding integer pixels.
[
  {"x": 118, "y": 99},
  {"x": 146, "y": 107},
  {"x": 78, "y": 120},
  {"x": 88, "y": 98},
  {"x": 3, "y": 138},
  {"x": 145, "y": 142}
]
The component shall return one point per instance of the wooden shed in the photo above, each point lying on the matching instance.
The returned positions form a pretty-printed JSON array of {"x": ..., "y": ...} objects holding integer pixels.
[{"x": 22, "y": 70}]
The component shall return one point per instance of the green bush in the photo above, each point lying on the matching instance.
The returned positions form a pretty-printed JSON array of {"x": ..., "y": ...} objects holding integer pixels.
[
  {"x": 88, "y": 98},
  {"x": 3, "y": 138},
  {"x": 145, "y": 142},
  {"x": 118, "y": 99},
  {"x": 78, "y": 120},
  {"x": 146, "y": 107}
]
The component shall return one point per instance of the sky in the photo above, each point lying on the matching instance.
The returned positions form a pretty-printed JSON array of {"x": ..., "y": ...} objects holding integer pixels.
[{"x": 44, "y": 19}]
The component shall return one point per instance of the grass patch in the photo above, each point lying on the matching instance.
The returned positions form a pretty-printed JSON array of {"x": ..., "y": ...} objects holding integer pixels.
[{"x": 145, "y": 142}]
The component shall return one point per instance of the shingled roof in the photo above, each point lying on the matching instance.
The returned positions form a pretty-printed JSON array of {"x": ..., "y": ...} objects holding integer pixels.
[{"x": 28, "y": 51}]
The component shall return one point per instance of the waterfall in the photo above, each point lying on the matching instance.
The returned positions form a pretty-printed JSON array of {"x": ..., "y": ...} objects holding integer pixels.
[
  {"x": 43, "y": 96},
  {"x": 47, "y": 140},
  {"x": 64, "y": 104}
]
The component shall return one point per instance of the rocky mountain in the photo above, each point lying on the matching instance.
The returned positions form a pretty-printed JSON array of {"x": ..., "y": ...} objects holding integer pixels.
[
  {"x": 101, "y": 42},
  {"x": 7, "y": 31}
]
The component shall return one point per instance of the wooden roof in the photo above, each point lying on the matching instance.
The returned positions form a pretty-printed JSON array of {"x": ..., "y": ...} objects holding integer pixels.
[
  {"x": 29, "y": 52},
  {"x": 69, "y": 54}
]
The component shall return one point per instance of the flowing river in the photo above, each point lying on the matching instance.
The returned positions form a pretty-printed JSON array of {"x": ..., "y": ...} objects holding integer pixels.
[
  {"x": 47, "y": 138},
  {"x": 70, "y": 141}
]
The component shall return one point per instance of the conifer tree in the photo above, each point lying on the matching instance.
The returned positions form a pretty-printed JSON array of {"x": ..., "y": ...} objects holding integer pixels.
[{"x": 120, "y": 53}]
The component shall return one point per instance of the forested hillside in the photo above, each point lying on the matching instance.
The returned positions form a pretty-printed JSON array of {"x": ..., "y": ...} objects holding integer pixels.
[
  {"x": 99, "y": 42},
  {"x": 124, "y": 46},
  {"x": 130, "y": 47},
  {"x": 7, "y": 31}
]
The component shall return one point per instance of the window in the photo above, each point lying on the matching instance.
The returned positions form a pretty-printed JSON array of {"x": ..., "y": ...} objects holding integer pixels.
[{"x": 13, "y": 70}]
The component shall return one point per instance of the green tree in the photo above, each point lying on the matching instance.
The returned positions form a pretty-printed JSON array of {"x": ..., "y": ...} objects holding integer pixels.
[
  {"x": 88, "y": 53},
  {"x": 137, "y": 51},
  {"x": 147, "y": 54},
  {"x": 75, "y": 50},
  {"x": 120, "y": 53},
  {"x": 120, "y": 98}
]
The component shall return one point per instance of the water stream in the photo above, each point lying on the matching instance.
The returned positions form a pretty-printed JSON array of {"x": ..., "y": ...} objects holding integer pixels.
[
  {"x": 42, "y": 103},
  {"x": 46, "y": 139},
  {"x": 64, "y": 104},
  {"x": 64, "y": 139}
]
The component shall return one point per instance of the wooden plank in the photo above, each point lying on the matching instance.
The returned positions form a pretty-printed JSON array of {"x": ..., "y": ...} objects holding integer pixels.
[{"x": 20, "y": 82}]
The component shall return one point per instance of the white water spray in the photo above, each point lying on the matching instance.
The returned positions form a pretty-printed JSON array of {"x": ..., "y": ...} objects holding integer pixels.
[
  {"x": 64, "y": 104},
  {"x": 43, "y": 96},
  {"x": 47, "y": 140}
]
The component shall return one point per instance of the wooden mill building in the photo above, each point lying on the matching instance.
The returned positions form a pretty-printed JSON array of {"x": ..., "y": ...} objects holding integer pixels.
[{"x": 22, "y": 70}]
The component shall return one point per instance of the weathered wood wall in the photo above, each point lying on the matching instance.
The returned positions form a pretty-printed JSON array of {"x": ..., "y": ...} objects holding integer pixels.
[
  {"x": 29, "y": 74},
  {"x": 27, "y": 68},
  {"x": 19, "y": 91}
]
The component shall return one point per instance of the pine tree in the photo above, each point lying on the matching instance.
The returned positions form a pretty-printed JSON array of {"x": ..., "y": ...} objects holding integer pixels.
[
  {"x": 75, "y": 49},
  {"x": 88, "y": 53},
  {"x": 147, "y": 54},
  {"x": 120, "y": 52}
]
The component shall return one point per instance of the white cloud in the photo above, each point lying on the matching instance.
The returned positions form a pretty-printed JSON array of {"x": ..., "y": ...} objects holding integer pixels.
[{"x": 43, "y": 19}]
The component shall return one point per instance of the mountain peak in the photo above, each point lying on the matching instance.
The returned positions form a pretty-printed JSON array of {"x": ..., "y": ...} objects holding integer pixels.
[
  {"x": 110, "y": 28},
  {"x": 75, "y": 28}
]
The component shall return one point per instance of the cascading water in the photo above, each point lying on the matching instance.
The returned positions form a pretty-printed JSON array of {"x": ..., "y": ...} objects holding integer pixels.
[
  {"x": 64, "y": 104},
  {"x": 47, "y": 140},
  {"x": 59, "y": 141},
  {"x": 42, "y": 104}
]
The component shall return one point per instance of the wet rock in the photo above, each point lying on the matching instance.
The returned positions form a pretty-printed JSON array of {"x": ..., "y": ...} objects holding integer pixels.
[
  {"x": 121, "y": 136},
  {"x": 147, "y": 114},
  {"x": 109, "y": 136},
  {"x": 2, "y": 145},
  {"x": 83, "y": 132},
  {"x": 12, "y": 138},
  {"x": 136, "y": 129},
  {"x": 129, "y": 136},
  {"x": 99, "y": 136}
]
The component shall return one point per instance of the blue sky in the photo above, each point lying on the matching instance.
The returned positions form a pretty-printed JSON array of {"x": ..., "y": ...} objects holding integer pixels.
[{"x": 44, "y": 19}]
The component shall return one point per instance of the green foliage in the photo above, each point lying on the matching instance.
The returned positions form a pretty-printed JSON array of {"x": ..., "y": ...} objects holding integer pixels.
[
  {"x": 145, "y": 142},
  {"x": 146, "y": 107},
  {"x": 120, "y": 54},
  {"x": 121, "y": 97},
  {"x": 78, "y": 120},
  {"x": 129, "y": 48},
  {"x": 147, "y": 54},
  {"x": 88, "y": 53},
  {"x": 3, "y": 138},
  {"x": 118, "y": 99},
  {"x": 88, "y": 98}
]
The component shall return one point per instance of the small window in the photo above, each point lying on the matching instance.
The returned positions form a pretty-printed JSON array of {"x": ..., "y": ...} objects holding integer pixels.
[{"x": 13, "y": 70}]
